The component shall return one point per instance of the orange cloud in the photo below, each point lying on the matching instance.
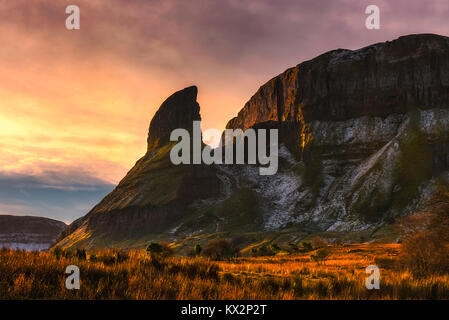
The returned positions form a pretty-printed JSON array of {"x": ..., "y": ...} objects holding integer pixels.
[{"x": 85, "y": 98}]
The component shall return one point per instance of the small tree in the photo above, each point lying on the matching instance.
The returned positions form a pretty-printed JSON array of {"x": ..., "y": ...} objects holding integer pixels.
[
  {"x": 319, "y": 242},
  {"x": 220, "y": 248},
  {"x": 425, "y": 237},
  {"x": 161, "y": 249},
  {"x": 198, "y": 249},
  {"x": 154, "y": 248}
]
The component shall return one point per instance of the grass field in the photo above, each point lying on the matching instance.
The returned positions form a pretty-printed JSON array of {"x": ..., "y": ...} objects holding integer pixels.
[{"x": 111, "y": 274}]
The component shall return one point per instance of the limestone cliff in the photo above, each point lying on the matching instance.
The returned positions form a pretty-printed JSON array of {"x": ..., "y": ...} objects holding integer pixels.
[
  {"x": 364, "y": 140},
  {"x": 155, "y": 193}
]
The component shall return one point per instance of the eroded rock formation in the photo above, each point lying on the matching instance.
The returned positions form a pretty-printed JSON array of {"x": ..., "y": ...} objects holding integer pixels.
[{"x": 364, "y": 139}]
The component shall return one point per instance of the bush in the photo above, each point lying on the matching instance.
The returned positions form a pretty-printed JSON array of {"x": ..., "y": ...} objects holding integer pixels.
[
  {"x": 263, "y": 251},
  {"x": 154, "y": 248},
  {"x": 320, "y": 255},
  {"x": 198, "y": 249},
  {"x": 319, "y": 242},
  {"x": 305, "y": 246},
  {"x": 167, "y": 250},
  {"x": 162, "y": 249},
  {"x": 423, "y": 254},
  {"x": 110, "y": 257},
  {"x": 425, "y": 238},
  {"x": 220, "y": 248}
]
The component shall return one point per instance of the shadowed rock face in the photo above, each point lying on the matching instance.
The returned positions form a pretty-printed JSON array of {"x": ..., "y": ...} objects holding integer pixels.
[
  {"x": 154, "y": 194},
  {"x": 364, "y": 139},
  {"x": 30, "y": 233},
  {"x": 178, "y": 111},
  {"x": 378, "y": 80}
]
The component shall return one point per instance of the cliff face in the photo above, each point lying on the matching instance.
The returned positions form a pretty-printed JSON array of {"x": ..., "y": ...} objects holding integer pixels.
[
  {"x": 369, "y": 129},
  {"x": 364, "y": 139},
  {"x": 378, "y": 80},
  {"x": 178, "y": 111},
  {"x": 155, "y": 193},
  {"x": 29, "y": 233}
]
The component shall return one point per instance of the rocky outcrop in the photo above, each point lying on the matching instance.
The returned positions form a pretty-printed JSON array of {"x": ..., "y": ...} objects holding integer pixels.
[
  {"x": 364, "y": 138},
  {"x": 368, "y": 129},
  {"x": 155, "y": 193},
  {"x": 178, "y": 111},
  {"x": 29, "y": 233},
  {"x": 376, "y": 81}
]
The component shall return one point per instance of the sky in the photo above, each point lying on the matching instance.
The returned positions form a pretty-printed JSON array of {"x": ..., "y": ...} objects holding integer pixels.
[{"x": 75, "y": 105}]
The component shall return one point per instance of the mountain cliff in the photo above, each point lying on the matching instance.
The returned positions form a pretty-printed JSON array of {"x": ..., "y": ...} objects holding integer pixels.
[
  {"x": 364, "y": 139},
  {"x": 155, "y": 193},
  {"x": 28, "y": 233}
]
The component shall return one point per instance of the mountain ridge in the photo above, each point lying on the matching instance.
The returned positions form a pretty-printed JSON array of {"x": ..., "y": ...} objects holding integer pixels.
[
  {"x": 364, "y": 139},
  {"x": 28, "y": 232}
]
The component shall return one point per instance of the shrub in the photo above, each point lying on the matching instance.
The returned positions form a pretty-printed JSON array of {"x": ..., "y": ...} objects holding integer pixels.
[
  {"x": 274, "y": 247},
  {"x": 424, "y": 254},
  {"x": 167, "y": 250},
  {"x": 110, "y": 256},
  {"x": 425, "y": 238},
  {"x": 162, "y": 249},
  {"x": 305, "y": 246},
  {"x": 154, "y": 248},
  {"x": 263, "y": 251},
  {"x": 198, "y": 249},
  {"x": 220, "y": 248},
  {"x": 319, "y": 242},
  {"x": 320, "y": 255}
]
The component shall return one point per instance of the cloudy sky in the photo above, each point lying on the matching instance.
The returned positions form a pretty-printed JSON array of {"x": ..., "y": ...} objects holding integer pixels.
[{"x": 75, "y": 105}]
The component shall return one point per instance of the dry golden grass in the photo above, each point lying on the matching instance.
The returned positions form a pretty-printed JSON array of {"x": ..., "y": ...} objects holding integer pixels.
[{"x": 41, "y": 275}]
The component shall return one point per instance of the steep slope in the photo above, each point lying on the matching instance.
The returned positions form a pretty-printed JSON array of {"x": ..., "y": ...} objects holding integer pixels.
[
  {"x": 28, "y": 233},
  {"x": 371, "y": 129},
  {"x": 364, "y": 139},
  {"x": 155, "y": 193}
]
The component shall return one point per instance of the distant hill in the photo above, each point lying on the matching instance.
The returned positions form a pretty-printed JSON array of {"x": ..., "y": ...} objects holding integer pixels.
[{"x": 29, "y": 233}]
